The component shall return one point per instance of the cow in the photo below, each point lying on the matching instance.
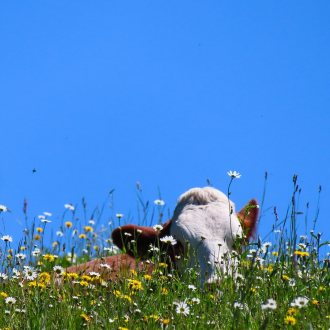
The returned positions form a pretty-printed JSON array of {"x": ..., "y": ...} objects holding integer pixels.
[{"x": 206, "y": 229}]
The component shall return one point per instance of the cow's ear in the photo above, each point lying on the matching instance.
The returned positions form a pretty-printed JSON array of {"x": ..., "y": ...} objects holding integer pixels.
[
  {"x": 248, "y": 217},
  {"x": 134, "y": 240}
]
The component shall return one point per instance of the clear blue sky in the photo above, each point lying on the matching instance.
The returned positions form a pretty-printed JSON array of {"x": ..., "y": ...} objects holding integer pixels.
[{"x": 98, "y": 95}]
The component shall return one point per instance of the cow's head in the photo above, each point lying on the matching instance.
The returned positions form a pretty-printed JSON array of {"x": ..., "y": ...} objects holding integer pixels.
[{"x": 206, "y": 226}]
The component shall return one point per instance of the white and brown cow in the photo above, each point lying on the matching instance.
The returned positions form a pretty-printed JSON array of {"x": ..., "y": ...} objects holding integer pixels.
[{"x": 205, "y": 225}]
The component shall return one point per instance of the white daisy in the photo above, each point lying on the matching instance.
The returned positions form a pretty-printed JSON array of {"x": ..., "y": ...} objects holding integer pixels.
[
  {"x": 157, "y": 227},
  {"x": 234, "y": 174},
  {"x": 59, "y": 270},
  {"x": 169, "y": 240},
  {"x": 7, "y": 238},
  {"x": 159, "y": 202},
  {"x": 182, "y": 308},
  {"x": 3, "y": 208},
  {"x": 119, "y": 215},
  {"x": 300, "y": 302},
  {"x": 10, "y": 300},
  {"x": 270, "y": 304},
  {"x": 69, "y": 206}
]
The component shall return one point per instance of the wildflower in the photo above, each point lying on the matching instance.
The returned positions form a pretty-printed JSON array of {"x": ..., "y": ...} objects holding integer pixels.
[
  {"x": 88, "y": 229},
  {"x": 315, "y": 302},
  {"x": 195, "y": 301},
  {"x": 44, "y": 277},
  {"x": 69, "y": 207},
  {"x": 59, "y": 233},
  {"x": 239, "y": 305},
  {"x": 59, "y": 270},
  {"x": 3, "y": 276},
  {"x": 275, "y": 253},
  {"x": 234, "y": 174},
  {"x": 68, "y": 224},
  {"x": 153, "y": 248},
  {"x": 299, "y": 302},
  {"x": 3, "y": 294},
  {"x": 290, "y": 320},
  {"x": 105, "y": 266},
  {"x": 182, "y": 308},
  {"x": 82, "y": 236},
  {"x": 85, "y": 317},
  {"x": 134, "y": 285},
  {"x": 191, "y": 287},
  {"x": 119, "y": 215},
  {"x": 7, "y": 238},
  {"x": 168, "y": 240},
  {"x": 147, "y": 277},
  {"x": 94, "y": 274},
  {"x": 45, "y": 221},
  {"x": 164, "y": 291},
  {"x": 84, "y": 283},
  {"x": 270, "y": 304},
  {"x": 159, "y": 202},
  {"x": 49, "y": 257},
  {"x": 301, "y": 253},
  {"x": 157, "y": 227},
  {"x": 166, "y": 322},
  {"x": 3, "y": 208},
  {"x": 91, "y": 222},
  {"x": 10, "y": 300},
  {"x": 285, "y": 277},
  {"x": 20, "y": 256},
  {"x": 29, "y": 273},
  {"x": 39, "y": 230},
  {"x": 37, "y": 237}
]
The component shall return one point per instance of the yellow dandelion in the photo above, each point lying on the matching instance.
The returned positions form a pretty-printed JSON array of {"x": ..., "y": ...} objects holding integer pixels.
[
  {"x": 164, "y": 291},
  {"x": 88, "y": 229},
  {"x": 133, "y": 272},
  {"x": 166, "y": 321},
  {"x": 162, "y": 265},
  {"x": 96, "y": 247},
  {"x": 68, "y": 224},
  {"x": 86, "y": 278},
  {"x": 117, "y": 293},
  {"x": 292, "y": 311},
  {"x": 253, "y": 290},
  {"x": 37, "y": 237},
  {"x": 285, "y": 277},
  {"x": 73, "y": 276},
  {"x": 301, "y": 253},
  {"x": 84, "y": 283},
  {"x": 147, "y": 277},
  {"x": 49, "y": 257},
  {"x": 85, "y": 317},
  {"x": 122, "y": 328},
  {"x": 290, "y": 320},
  {"x": 44, "y": 277},
  {"x": 275, "y": 253},
  {"x": 39, "y": 230},
  {"x": 3, "y": 294},
  {"x": 82, "y": 236},
  {"x": 134, "y": 285},
  {"x": 128, "y": 298},
  {"x": 315, "y": 302}
]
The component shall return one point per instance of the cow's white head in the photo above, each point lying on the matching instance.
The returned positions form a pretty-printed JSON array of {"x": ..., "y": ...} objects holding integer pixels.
[{"x": 206, "y": 224}]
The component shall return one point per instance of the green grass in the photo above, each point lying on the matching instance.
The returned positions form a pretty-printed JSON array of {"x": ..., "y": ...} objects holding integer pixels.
[{"x": 292, "y": 267}]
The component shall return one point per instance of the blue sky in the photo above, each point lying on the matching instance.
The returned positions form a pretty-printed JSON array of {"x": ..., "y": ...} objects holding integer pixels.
[{"x": 99, "y": 95}]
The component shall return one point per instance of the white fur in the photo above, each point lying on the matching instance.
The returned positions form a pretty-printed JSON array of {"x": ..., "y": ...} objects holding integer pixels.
[{"x": 205, "y": 222}]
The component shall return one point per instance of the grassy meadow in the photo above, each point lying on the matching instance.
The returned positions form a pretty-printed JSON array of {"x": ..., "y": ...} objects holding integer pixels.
[{"x": 281, "y": 283}]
